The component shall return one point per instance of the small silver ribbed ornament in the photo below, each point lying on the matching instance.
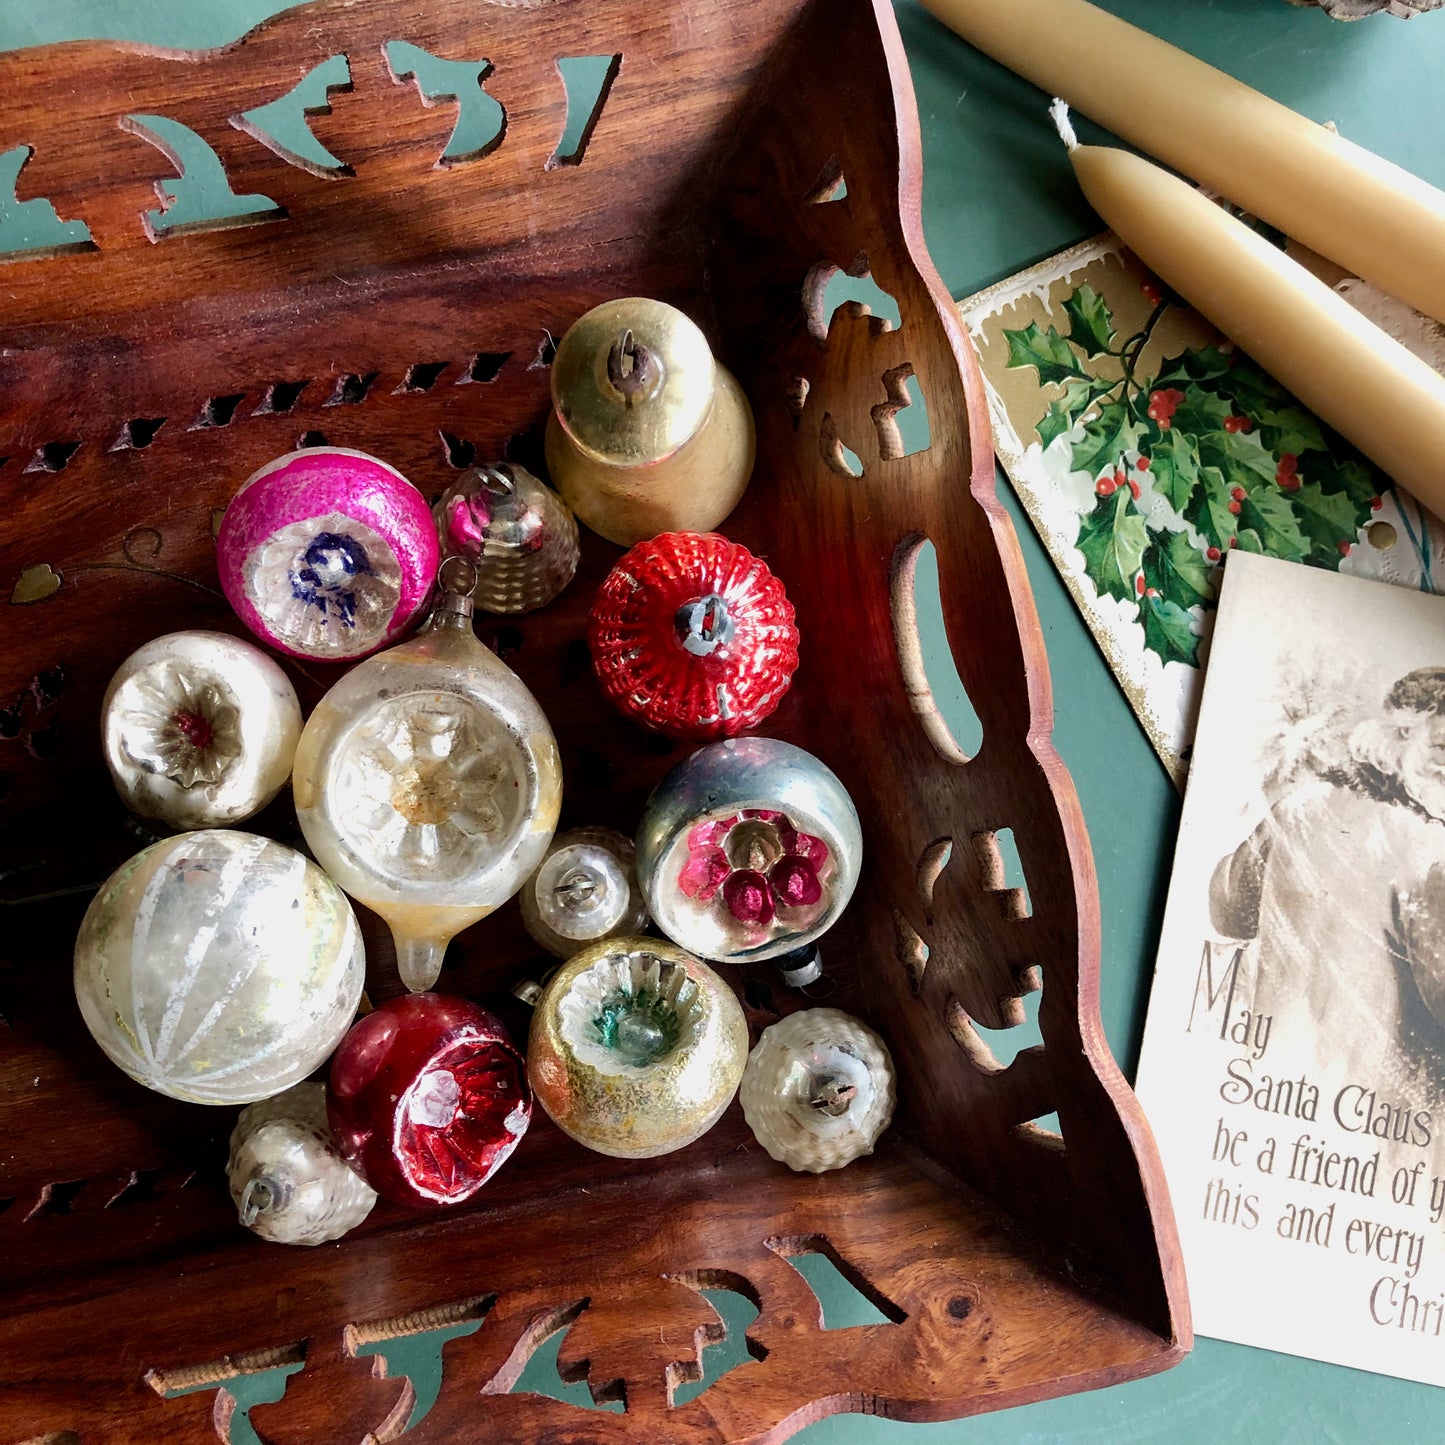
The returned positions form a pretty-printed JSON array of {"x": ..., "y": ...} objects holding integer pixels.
[
  {"x": 519, "y": 533},
  {"x": 818, "y": 1089},
  {"x": 288, "y": 1180},
  {"x": 584, "y": 890}
]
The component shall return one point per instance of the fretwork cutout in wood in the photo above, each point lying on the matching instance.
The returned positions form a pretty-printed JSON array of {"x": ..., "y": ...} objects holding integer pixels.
[
  {"x": 481, "y": 121},
  {"x": 282, "y": 125}
]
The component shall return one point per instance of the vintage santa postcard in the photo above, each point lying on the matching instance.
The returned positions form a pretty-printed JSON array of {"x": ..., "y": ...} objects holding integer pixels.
[{"x": 1294, "y": 1055}]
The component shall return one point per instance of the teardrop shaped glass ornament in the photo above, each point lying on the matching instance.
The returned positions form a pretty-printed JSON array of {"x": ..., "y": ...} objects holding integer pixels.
[
  {"x": 519, "y": 533},
  {"x": 428, "y": 783}
]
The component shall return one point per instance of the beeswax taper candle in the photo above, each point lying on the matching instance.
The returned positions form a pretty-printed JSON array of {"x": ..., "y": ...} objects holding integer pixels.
[
  {"x": 1361, "y": 381},
  {"x": 1341, "y": 200}
]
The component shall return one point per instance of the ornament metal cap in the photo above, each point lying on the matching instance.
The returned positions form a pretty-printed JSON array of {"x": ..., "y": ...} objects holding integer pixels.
[{"x": 632, "y": 381}]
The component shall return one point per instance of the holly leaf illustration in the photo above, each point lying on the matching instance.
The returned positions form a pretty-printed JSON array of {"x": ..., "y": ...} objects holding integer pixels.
[
  {"x": 1327, "y": 519},
  {"x": 1091, "y": 327},
  {"x": 1167, "y": 631},
  {"x": 1265, "y": 511},
  {"x": 1241, "y": 458},
  {"x": 1047, "y": 351},
  {"x": 1201, "y": 413},
  {"x": 1107, "y": 436},
  {"x": 1112, "y": 538},
  {"x": 1174, "y": 468},
  {"x": 1202, "y": 364},
  {"x": 1209, "y": 510},
  {"x": 1066, "y": 409},
  {"x": 1360, "y": 481},
  {"x": 1176, "y": 569},
  {"x": 1290, "y": 429},
  {"x": 1248, "y": 540}
]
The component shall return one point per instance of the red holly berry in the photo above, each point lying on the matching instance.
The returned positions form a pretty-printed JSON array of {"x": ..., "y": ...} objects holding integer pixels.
[
  {"x": 1139, "y": 585},
  {"x": 1376, "y": 503},
  {"x": 1134, "y": 488},
  {"x": 1120, "y": 477},
  {"x": 1234, "y": 507},
  {"x": 1234, "y": 541},
  {"x": 1151, "y": 289},
  {"x": 1344, "y": 548},
  {"x": 1238, "y": 424},
  {"x": 1151, "y": 592},
  {"x": 1163, "y": 404},
  {"x": 1106, "y": 487},
  {"x": 1238, "y": 494},
  {"x": 1289, "y": 463},
  {"x": 1142, "y": 464},
  {"x": 1212, "y": 553},
  {"x": 1288, "y": 483}
]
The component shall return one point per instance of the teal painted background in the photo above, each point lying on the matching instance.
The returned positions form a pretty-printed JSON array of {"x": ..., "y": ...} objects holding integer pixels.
[{"x": 998, "y": 195}]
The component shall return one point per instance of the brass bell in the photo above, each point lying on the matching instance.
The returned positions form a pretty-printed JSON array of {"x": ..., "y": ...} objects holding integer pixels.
[{"x": 648, "y": 433}]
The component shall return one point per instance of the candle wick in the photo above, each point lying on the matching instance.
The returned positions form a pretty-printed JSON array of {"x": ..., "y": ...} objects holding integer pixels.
[{"x": 1060, "y": 112}]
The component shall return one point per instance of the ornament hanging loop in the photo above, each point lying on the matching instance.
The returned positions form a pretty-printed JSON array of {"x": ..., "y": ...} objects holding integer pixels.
[
  {"x": 259, "y": 1196},
  {"x": 456, "y": 581},
  {"x": 631, "y": 367}
]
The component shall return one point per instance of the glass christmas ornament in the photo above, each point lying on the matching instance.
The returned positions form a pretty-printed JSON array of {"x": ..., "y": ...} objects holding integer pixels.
[
  {"x": 584, "y": 890},
  {"x": 636, "y": 1048},
  {"x": 327, "y": 553},
  {"x": 288, "y": 1180},
  {"x": 218, "y": 967},
  {"x": 749, "y": 849},
  {"x": 648, "y": 433},
  {"x": 518, "y": 532},
  {"x": 428, "y": 1098},
  {"x": 693, "y": 637},
  {"x": 818, "y": 1090},
  {"x": 199, "y": 729},
  {"x": 428, "y": 783}
]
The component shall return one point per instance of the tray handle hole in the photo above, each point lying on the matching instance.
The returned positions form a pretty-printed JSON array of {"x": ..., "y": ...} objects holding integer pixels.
[
  {"x": 588, "y": 81},
  {"x": 828, "y": 288},
  {"x": 901, "y": 421},
  {"x": 53, "y": 457},
  {"x": 484, "y": 367},
  {"x": 1001, "y": 871},
  {"x": 218, "y": 411},
  {"x": 991, "y": 1051},
  {"x": 138, "y": 434},
  {"x": 282, "y": 125},
  {"x": 33, "y": 229},
  {"x": 846, "y": 1298},
  {"x": 935, "y": 690},
  {"x": 481, "y": 124},
  {"x": 831, "y": 184}
]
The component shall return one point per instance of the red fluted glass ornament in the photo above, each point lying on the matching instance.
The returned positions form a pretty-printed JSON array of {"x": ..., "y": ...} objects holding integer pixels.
[
  {"x": 427, "y": 1098},
  {"x": 693, "y": 637}
]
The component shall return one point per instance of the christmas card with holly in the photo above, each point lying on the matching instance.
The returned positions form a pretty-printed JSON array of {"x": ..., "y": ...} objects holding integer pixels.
[
  {"x": 1293, "y": 1066},
  {"x": 1145, "y": 448}
]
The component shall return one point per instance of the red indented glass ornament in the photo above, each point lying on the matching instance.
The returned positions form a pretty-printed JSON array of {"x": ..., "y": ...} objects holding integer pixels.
[
  {"x": 427, "y": 1098},
  {"x": 693, "y": 637}
]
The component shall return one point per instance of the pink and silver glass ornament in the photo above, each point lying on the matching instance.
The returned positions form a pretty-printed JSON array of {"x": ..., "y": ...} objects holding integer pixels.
[
  {"x": 749, "y": 849},
  {"x": 327, "y": 553}
]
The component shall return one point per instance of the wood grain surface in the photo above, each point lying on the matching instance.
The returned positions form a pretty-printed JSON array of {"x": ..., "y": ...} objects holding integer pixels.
[{"x": 407, "y": 307}]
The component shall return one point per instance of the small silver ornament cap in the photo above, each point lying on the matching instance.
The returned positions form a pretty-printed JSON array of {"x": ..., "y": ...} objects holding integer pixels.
[
  {"x": 287, "y": 1178},
  {"x": 584, "y": 890},
  {"x": 199, "y": 730},
  {"x": 518, "y": 531},
  {"x": 818, "y": 1090}
]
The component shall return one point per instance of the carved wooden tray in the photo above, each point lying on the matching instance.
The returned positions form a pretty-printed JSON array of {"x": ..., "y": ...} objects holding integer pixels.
[{"x": 394, "y": 285}]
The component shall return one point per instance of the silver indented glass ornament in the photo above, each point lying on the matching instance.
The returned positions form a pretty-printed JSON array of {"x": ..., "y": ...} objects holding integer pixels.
[
  {"x": 519, "y": 533},
  {"x": 218, "y": 967},
  {"x": 199, "y": 729},
  {"x": 818, "y": 1090},
  {"x": 636, "y": 1048},
  {"x": 585, "y": 890},
  {"x": 748, "y": 849},
  {"x": 287, "y": 1177},
  {"x": 428, "y": 783}
]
